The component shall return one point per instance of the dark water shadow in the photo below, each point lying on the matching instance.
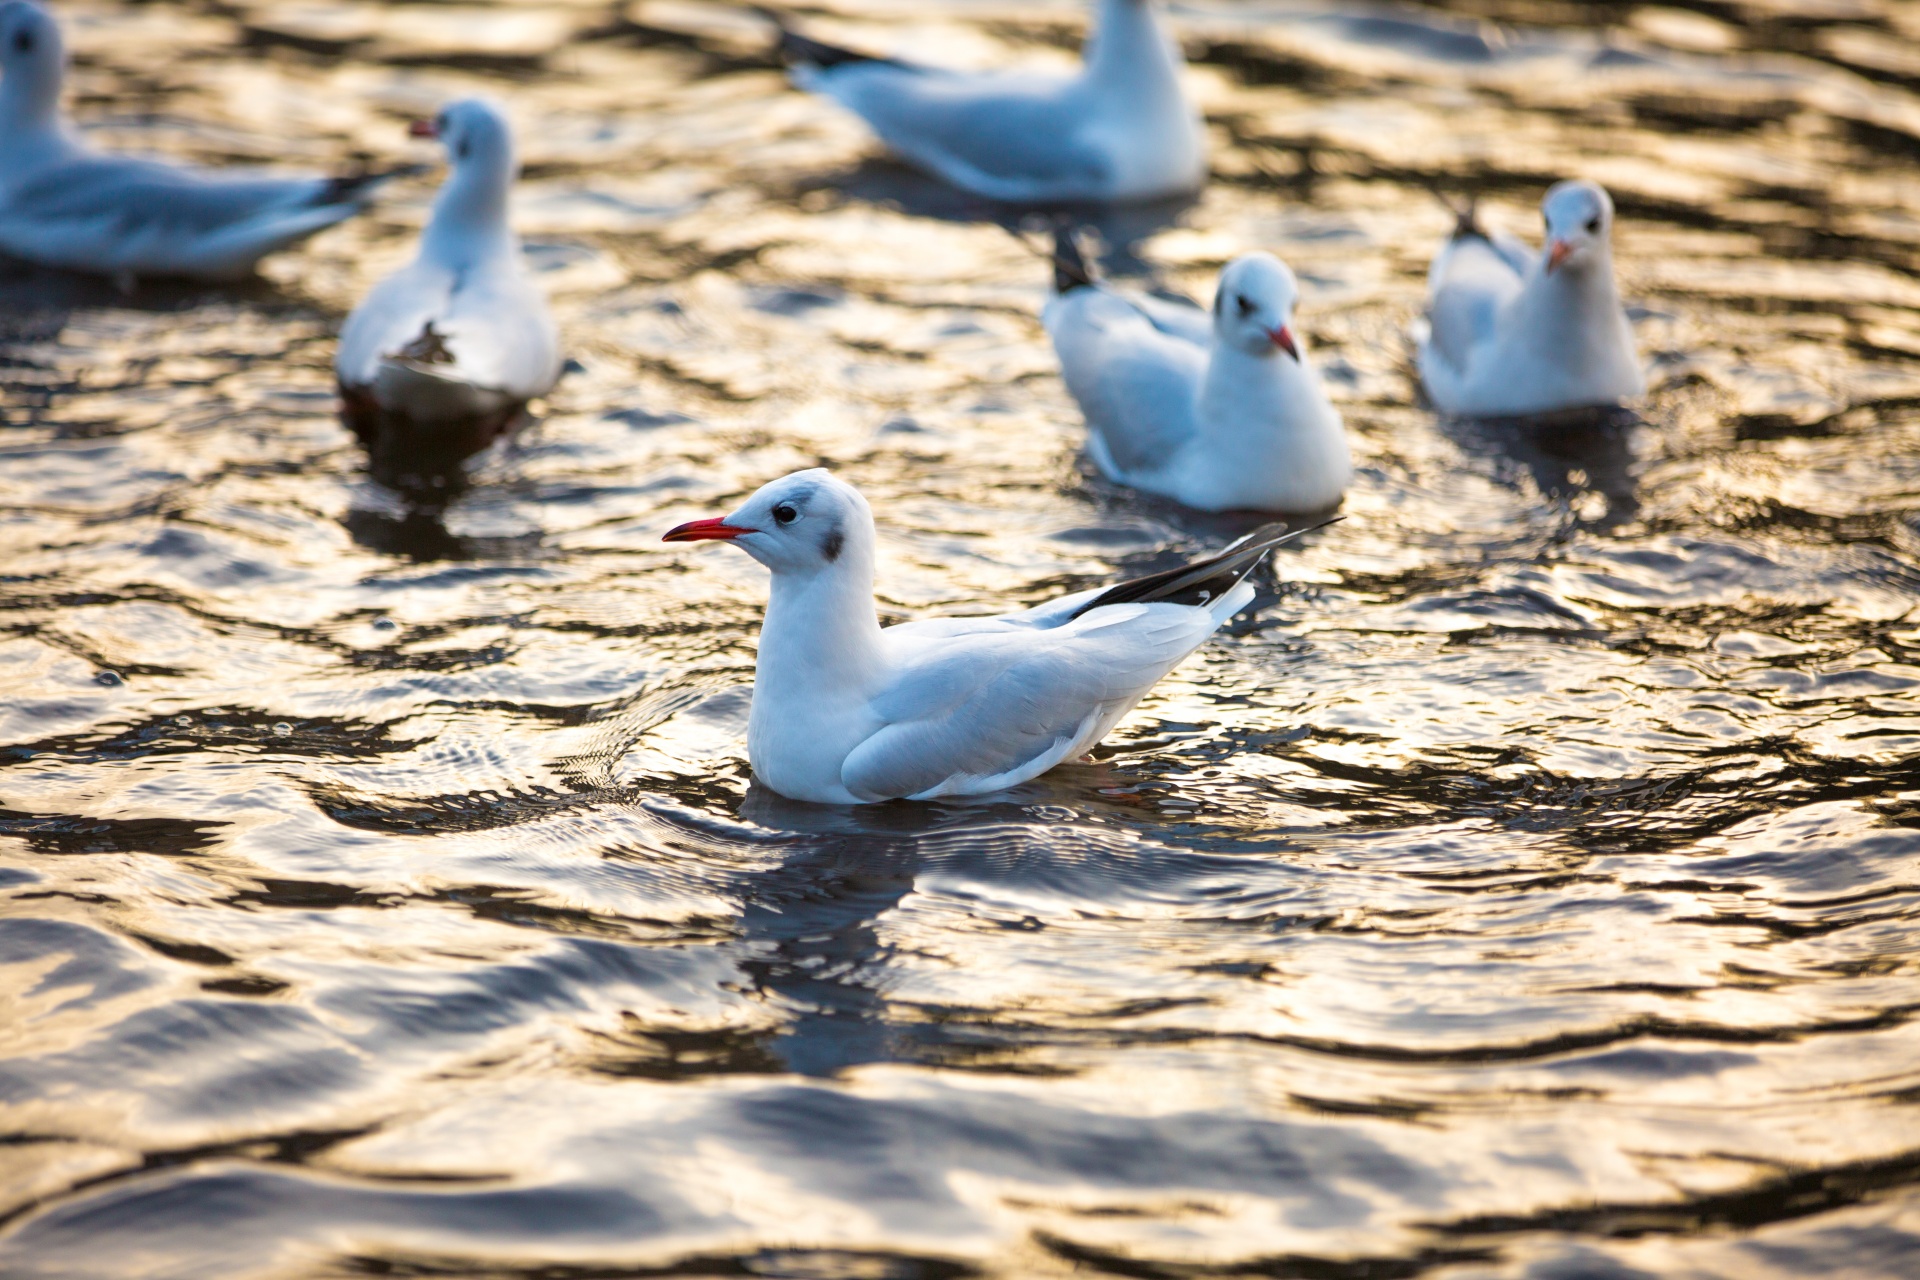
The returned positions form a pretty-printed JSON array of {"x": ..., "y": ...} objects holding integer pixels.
[
  {"x": 1567, "y": 454},
  {"x": 35, "y": 301}
]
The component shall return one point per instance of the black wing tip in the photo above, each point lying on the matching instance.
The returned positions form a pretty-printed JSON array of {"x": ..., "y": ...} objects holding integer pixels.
[
  {"x": 1466, "y": 220},
  {"x": 1466, "y": 217},
  {"x": 1070, "y": 268},
  {"x": 1206, "y": 579},
  {"x": 795, "y": 48},
  {"x": 356, "y": 188}
]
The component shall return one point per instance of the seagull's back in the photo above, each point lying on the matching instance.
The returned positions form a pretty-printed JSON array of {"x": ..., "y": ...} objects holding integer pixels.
[
  {"x": 1135, "y": 373},
  {"x": 98, "y": 212},
  {"x": 1009, "y": 135},
  {"x": 1470, "y": 281}
]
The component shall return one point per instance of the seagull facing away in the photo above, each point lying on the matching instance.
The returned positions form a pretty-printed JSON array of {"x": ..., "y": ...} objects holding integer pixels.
[
  {"x": 1217, "y": 412},
  {"x": 64, "y": 204},
  {"x": 1514, "y": 333},
  {"x": 456, "y": 342},
  {"x": 1122, "y": 129},
  {"x": 845, "y": 712}
]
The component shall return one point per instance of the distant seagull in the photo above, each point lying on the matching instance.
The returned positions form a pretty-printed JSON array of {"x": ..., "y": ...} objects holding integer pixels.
[
  {"x": 447, "y": 351},
  {"x": 845, "y": 712},
  {"x": 1217, "y": 412},
  {"x": 1513, "y": 333},
  {"x": 1122, "y": 129},
  {"x": 64, "y": 204}
]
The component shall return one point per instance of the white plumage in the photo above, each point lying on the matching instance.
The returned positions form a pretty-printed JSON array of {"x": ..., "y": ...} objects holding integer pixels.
[
  {"x": 1217, "y": 412},
  {"x": 462, "y": 333},
  {"x": 64, "y": 204},
  {"x": 1511, "y": 332},
  {"x": 1122, "y": 129},
  {"x": 846, "y": 712}
]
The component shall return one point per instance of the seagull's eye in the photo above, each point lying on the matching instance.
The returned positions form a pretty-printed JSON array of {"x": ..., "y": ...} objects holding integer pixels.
[
  {"x": 785, "y": 513},
  {"x": 1245, "y": 304},
  {"x": 461, "y": 151},
  {"x": 23, "y": 42},
  {"x": 1593, "y": 225}
]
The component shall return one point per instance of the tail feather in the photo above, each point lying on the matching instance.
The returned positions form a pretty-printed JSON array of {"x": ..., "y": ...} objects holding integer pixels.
[
  {"x": 1203, "y": 580},
  {"x": 796, "y": 48},
  {"x": 358, "y": 188},
  {"x": 1070, "y": 268},
  {"x": 1466, "y": 218}
]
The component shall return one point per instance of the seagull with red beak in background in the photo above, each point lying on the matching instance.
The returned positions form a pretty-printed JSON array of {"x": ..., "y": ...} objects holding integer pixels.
[
  {"x": 1512, "y": 333},
  {"x": 1218, "y": 412}
]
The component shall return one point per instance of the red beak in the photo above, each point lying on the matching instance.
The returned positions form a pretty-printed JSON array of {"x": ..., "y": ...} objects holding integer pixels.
[
  {"x": 702, "y": 530},
  {"x": 1283, "y": 339},
  {"x": 1557, "y": 253},
  {"x": 423, "y": 129}
]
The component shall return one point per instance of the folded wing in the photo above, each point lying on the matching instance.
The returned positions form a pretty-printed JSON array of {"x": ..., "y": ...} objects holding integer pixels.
[
  {"x": 113, "y": 213},
  {"x": 1471, "y": 280},
  {"x": 1009, "y": 136},
  {"x": 1136, "y": 382},
  {"x": 997, "y": 705}
]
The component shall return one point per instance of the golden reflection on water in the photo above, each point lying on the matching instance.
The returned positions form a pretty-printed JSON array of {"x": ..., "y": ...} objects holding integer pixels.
[{"x": 1525, "y": 888}]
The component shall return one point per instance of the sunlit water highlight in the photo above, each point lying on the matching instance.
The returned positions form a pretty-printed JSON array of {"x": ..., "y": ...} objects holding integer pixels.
[{"x": 1526, "y": 887}]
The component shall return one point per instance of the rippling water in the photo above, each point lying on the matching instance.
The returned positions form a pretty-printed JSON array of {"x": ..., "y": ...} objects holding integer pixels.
[{"x": 1529, "y": 886}]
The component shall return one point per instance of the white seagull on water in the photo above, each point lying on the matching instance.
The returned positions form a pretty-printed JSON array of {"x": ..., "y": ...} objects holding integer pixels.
[
  {"x": 64, "y": 204},
  {"x": 847, "y": 712},
  {"x": 458, "y": 340},
  {"x": 1217, "y": 412},
  {"x": 1514, "y": 333},
  {"x": 1122, "y": 129}
]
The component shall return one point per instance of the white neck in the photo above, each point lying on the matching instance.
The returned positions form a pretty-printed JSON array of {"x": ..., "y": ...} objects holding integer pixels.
[
  {"x": 821, "y": 636},
  {"x": 469, "y": 221},
  {"x": 1572, "y": 312},
  {"x": 30, "y": 108},
  {"x": 1130, "y": 57},
  {"x": 1241, "y": 388}
]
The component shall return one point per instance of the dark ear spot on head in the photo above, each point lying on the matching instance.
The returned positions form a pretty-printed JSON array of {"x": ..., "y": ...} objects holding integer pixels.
[{"x": 833, "y": 543}]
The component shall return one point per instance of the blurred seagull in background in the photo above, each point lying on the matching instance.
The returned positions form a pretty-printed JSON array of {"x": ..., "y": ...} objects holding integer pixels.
[
  {"x": 1122, "y": 129},
  {"x": 1511, "y": 332},
  {"x": 454, "y": 344},
  {"x": 846, "y": 712},
  {"x": 1217, "y": 412},
  {"x": 64, "y": 204}
]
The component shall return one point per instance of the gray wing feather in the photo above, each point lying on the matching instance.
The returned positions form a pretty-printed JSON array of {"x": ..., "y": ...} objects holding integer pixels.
[
  {"x": 989, "y": 707},
  {"x": 143, "y": 193},
  {"x": 1471, "y": 281},
  {"x": 1135, "y": 382},
  {"x": 1014, "y": 127}
]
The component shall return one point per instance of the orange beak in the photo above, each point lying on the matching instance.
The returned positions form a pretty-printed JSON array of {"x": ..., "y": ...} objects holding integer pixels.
[
  {"x": 1557, "y": 253},
  {"x": 705, "y": 530},
  {"x": 423, "y": 129},
  {"x": 1283, "y": 339}
]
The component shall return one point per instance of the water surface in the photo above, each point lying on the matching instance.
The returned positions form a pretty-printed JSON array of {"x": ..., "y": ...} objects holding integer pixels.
[{"x": 1528, "y": 887}]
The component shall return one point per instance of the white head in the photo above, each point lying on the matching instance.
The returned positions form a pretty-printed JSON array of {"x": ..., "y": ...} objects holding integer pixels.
[
  {"x": 802, "y": 524},
  {"x": 479, "y": 147},
  {"x": 1579, "y": 217},
  {"x": 34, "y": 60},
  {"x": 1253, "y": 308}
]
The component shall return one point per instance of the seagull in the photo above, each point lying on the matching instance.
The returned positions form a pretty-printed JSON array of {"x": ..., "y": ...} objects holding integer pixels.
[
  {"x": 1512, "y": 333},
  {"x": 453, "y": 345},
  {"x": 845, "y": 712},
  {"x": 64, "y": 204},
  {"x": 1216, "y": 412},
  {"x": 1122, "y": 129}
]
